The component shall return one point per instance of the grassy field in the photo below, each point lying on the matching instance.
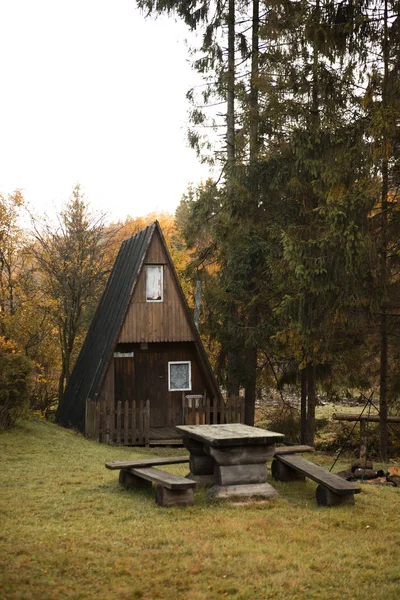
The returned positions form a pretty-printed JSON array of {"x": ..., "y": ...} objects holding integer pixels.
[{"x": 67, "y": 530}]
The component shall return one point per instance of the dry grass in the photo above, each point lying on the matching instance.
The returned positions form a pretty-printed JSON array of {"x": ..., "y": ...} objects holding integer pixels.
[{"x": 69, "y": 531}]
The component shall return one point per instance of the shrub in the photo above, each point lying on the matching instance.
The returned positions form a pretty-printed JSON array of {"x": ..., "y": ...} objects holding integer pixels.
[
  {"x": 283, "y": 419},
  {"x": 15, "y": 371}
]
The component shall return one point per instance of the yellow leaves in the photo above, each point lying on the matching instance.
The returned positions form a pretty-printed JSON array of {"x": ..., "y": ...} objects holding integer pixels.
[
  {"x": 9, "y": 346},
  {"x": 304, "y": 350}
]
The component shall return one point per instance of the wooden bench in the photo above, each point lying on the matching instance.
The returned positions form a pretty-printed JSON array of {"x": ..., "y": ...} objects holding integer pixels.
[
  {"x": 293, "y": 449},
  {"x": 148, "y": 462},
  {"x": 171, "y": 489},
  {"x": 332, "y": 490}
]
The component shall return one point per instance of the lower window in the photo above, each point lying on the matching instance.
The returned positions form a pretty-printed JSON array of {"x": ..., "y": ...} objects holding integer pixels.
[{"x": 179, "y": 376}]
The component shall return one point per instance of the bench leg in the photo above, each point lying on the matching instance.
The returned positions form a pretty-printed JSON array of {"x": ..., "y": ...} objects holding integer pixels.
[
  {"x": 282, "y": 472},
  {"x": 166, "y": 497},
  {"x": 326, "y": 497},
  {"x": 128, "y": 480}
]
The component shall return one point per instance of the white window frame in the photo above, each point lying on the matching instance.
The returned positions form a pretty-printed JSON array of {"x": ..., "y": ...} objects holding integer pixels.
[
  {"x": 161, "y": 270},
  {"x": 180, "y": 362}
]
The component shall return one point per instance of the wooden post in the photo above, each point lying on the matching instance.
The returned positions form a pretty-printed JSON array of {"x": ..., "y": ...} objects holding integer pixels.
[
  {"x": 229, "y": 406},
  {"x": 107, "y": 411},
  {"x": 222, "y": 411},
  {"x": 207, "y": 421},
  {"x": 363, "y": 442},
  {"x": 234, "y": 410},
  {"x": 213, "y": 417},
  {"x": 119, "y": 407},
  {"x": 140, "y": 422},
  {"x": 133, "y": 421},
  {"x": 147, "y": 424},
  {"x": 128, "y": 480},
  {"x": 190, "y": 413},
  {"x": 201, "y": 410},
  {"x": 126, "y": 423}
]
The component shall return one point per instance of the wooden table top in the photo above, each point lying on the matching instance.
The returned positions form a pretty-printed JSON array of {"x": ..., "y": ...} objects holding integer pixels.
[{"x": 230, "y": 435}]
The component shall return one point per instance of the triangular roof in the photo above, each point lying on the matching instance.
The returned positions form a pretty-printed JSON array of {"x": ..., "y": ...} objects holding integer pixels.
[{"x": 102, "y": 336}]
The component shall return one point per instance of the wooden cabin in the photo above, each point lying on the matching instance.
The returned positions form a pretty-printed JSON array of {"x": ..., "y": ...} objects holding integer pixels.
[{"x": 142, "y": 368}]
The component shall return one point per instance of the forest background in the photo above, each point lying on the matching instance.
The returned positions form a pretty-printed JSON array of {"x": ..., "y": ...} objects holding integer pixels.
[{"x": 295, "y": 244}]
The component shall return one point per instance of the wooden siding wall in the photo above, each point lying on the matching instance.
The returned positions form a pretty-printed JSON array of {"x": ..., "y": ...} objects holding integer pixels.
[
  {"x": 147, "y": 377},
  {"x": 164, "y": 321}
]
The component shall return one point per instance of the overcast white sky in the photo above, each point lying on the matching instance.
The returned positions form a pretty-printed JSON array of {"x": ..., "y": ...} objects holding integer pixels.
[{"x": 94, "y": 93}]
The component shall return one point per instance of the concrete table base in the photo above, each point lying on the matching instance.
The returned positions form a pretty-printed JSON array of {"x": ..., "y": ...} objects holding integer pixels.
[
  {"x": 249, "y": 492},
  {"x": 232, "y": 459}
]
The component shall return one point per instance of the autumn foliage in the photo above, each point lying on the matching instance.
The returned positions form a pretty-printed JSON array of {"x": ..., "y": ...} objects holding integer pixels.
[{"x": 15, "y": 372}]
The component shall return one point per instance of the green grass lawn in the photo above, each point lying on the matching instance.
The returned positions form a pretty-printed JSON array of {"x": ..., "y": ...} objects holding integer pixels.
[{"x": 67, "y": 530}]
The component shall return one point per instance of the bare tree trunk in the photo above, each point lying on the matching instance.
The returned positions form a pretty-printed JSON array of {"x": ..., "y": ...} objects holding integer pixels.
[
  {"x": 230, "y": 115},
  {"x": 311, "y": 405},
  {"x": 383, "y": 427},
  {"x": 303, "y": 406},
  {"x": 61, "y": 382},
  {"x": 233, "y": 352},
  {"x": 315, "y": 123},
  {"x": 253, "y": 320},
  {"x": 250, "y": 383},
  {"x": 254, "y": 106},
  {"x": 383, "y": 411}
]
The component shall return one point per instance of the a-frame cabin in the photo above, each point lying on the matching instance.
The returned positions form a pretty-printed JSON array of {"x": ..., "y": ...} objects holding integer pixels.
[{"x": 142, "y": 346}]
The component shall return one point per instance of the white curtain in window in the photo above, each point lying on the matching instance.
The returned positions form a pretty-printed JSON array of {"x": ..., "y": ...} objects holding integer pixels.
[
  {"x": 179, "y": 376},
  {"x": 154, "y": 283}
]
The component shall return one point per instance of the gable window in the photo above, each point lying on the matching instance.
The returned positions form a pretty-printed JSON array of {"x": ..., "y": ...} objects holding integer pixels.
[
  {"x": 154, "y": 283},
  {"x": 179, "y": 376}
]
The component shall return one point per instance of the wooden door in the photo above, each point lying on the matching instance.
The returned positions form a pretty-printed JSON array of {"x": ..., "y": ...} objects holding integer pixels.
[
  {"x": 124, "y": 378},
  {"x": 151, "y": 382}
]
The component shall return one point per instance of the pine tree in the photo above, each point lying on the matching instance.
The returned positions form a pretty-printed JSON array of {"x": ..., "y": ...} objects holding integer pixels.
[{"x": 382, "y": 103}]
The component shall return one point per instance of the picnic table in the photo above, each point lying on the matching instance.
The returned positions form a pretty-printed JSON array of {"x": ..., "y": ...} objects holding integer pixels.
[{"x": 230, "y": 459}]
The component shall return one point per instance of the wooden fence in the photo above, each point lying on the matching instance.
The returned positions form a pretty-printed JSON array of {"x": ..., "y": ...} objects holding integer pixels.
[
  {"x": 127, "y": 425},
  {"x": 201, "y": 410}
]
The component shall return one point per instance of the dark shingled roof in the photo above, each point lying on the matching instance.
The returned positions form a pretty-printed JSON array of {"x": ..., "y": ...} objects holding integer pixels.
[{"x": 102, "y": 336}]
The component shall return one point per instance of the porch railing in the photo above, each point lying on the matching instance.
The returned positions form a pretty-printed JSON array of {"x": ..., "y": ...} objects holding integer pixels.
[
  {"x": 202, "y": 410},
  {"x": 128, "y": 424}
]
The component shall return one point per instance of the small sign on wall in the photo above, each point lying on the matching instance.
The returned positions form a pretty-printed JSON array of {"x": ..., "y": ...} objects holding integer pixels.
[{"x": 123, "y": 354}]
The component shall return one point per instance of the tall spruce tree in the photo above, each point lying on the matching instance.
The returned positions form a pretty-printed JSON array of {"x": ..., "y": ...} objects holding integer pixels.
[
  {"x": 289, "y": 223},
  {"x": 314, "y": 136},
  {"x": 382, "y": 104}
]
